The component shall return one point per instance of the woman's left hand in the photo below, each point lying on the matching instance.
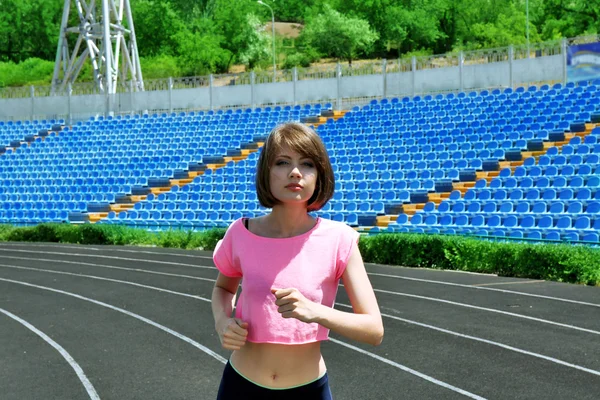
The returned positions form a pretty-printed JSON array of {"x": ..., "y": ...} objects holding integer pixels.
[{"x": 293, "y": 304}]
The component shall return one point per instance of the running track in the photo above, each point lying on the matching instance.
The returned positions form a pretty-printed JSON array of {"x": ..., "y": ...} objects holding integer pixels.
[{"x": 83, "y": 322}]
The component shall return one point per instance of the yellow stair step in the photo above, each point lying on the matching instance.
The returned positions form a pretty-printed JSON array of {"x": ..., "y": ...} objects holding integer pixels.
[
  {"x": 215, "y": 166},
  {"x": 181, "y": 182},
  {"x": 137, "y": 199},
  {"x": 194, "y": 174},
  {"x": 247, "y": 152},
  {"x": 159, "y": 190},
  {"x": 121, "y": 207}
]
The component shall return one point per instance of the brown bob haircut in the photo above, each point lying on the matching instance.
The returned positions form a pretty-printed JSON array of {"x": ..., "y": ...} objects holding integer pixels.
[{"x": 304, "y": 141}]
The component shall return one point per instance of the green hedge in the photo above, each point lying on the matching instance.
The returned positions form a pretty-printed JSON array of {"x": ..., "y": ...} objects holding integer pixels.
[
  {"x": 111, "y": 235},
  {"x": 556, "y": 262}
]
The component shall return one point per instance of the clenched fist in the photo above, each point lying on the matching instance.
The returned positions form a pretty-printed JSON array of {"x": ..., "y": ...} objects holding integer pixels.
[
  {"x": 293, "y": 304},
  {"x": 233, "y": 333}
]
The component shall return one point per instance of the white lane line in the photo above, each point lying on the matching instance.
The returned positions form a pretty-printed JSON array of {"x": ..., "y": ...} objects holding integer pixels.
[
  {"x": 376, "y": 290},
  {"x": 111, "y": 267},
  {"x": 551, "y": 359},
  {"x": 545, "y": 321},
  {"x": 116, "y": 258},
  {"x": 369, "y": 273},
  {"x": 504, "y": 346},
  {"x": 136, "y": 316},
  {"x": 507, "y": 283},
  {"x": 112, "y": 249},
  {"x": 486, "y": 288},
  {"x": 409, "y": 370},
  {"x": 385, "y": 360},
  {"x": 65, "y": 354},
  {"x": 105, "y": 279}
]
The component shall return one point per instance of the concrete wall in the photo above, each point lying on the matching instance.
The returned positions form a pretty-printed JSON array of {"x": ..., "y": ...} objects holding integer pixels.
[{"x": 467, "y": 77}]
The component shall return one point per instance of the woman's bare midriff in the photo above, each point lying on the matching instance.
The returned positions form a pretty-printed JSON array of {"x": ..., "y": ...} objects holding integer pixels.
[{"x": 279, "y": 365}]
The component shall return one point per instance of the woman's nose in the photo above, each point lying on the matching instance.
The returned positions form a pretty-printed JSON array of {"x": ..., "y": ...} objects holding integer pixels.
[{"x": 295, "y": 172}]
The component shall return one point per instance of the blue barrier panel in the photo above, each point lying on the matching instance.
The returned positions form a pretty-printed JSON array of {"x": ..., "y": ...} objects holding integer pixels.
[{"x": 583, "y": 62}]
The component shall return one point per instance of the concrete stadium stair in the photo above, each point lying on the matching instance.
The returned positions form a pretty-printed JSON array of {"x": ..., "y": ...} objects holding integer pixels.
[
  {"x": 411, "y": 209},
  {"x": 128, "y": 202}
]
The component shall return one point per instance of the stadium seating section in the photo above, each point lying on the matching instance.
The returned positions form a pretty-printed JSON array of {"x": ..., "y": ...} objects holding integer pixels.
[{"x": 520, "y": 163}]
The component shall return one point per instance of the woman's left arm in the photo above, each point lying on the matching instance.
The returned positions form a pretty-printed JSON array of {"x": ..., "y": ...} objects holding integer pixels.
[{"x": 365, "y": 324}]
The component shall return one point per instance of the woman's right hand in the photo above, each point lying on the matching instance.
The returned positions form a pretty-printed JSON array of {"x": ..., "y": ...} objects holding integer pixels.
[{"x": 233, "y": 333}]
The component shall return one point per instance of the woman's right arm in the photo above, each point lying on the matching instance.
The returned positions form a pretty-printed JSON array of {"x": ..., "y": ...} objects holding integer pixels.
[{"x": 232, "y": 331}]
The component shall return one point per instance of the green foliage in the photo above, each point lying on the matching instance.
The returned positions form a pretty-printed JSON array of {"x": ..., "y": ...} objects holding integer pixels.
[
  {"x": 301, "y": 56},
  {"x": 336, "y": 35},
  {"x": 201, "y": 54},
  {"x": 161, "y": 66},
  {"x": 563, "y": 263},
  {"x": 183, "y": 38},
  {"x": 157, "y": 25},
  {"x": 29, "y": 28},
  {"x": 509, "y": 28},
  {"x": 258, "y": 46},
  {"x": 29, "y": 72},
  {"x": 117, "y": 235}
]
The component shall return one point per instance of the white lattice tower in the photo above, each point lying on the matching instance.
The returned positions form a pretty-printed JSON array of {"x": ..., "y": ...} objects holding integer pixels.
[{"x": 104, "y": 39}]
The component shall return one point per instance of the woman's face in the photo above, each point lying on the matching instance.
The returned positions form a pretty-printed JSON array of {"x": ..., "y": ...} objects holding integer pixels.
[{"x": 292, "y": 177}]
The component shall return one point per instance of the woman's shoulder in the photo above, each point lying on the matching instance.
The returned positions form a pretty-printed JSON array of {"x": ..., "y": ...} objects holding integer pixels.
[
  {"x": 336, "y": 227},
  {"x": 235, "y": 226}
]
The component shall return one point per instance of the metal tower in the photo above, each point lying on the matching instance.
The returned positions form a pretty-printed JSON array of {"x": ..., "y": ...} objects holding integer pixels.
[{"x": 104, "y": 39}]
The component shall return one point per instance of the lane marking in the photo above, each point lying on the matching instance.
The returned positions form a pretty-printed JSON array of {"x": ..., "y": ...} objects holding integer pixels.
[
  {"x": 515, "y": 349},
  {"x": 475, "y": 338},
  {"x": 206, "y": 350},
  {"x": 87, "y": 247},
  {"x": 490, "y": 310},
  {"x": 105, "y": 279},
  {"x": 385, "y": 360},
  {"x": 91, "y": 391},
  {"x": 369, "y": 273},
  {"x": 341, "y": 285},
  {"x": 116, "y": 258},
  {"x": 111, "y": 267},
  {"x": 409, "y": 370},
  {"x": 506, "y": 283},
  {"x": 486, "y": 288}
]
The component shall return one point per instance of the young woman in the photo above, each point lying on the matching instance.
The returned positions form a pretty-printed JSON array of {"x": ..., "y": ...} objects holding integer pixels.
[{"x": 289, "y": 264}]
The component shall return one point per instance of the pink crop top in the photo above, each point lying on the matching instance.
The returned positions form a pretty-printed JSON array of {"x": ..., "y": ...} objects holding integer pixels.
[{"x": 312, "y": 262}]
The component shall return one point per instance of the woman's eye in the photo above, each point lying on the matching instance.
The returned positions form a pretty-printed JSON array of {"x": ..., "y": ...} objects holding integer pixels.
[
  {"x": 281, "y": 162},
  {"x": 309, "y": 164}
]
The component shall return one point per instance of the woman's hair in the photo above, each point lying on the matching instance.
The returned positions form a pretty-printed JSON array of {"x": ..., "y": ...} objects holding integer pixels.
[{"x": 304, "y": 141}]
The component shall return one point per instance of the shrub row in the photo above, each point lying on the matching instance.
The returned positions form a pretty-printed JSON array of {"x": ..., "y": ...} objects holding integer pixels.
[
  {"x": 111, "y": 235},
  {"x": 556, "y": 262}
]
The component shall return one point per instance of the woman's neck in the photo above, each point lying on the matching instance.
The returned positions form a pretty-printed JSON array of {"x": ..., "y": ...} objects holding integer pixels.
[{"x": 289, "y": 221}]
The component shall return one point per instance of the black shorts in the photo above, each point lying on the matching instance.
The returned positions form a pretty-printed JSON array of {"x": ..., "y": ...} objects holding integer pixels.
[{"x": 235, "y": 386}]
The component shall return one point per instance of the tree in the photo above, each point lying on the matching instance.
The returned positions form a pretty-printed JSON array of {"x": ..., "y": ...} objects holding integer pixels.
[
  {"x": 29, "y": 28},
  {"x": 201, "y": 51},
  {"x": 336, "y": 35},
  {"x": 258, "y": 43},
  {"x": 509, "y": 28},
  {"x": 156, "y": 26}
]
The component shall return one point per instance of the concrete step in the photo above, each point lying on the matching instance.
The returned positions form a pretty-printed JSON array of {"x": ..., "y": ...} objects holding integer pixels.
[
  {"x": 181, "y": 182},
  {"x": 159, "y": 190},
  {"x": 121, "y": 207},
  {"x": 216, "y": 166}
]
